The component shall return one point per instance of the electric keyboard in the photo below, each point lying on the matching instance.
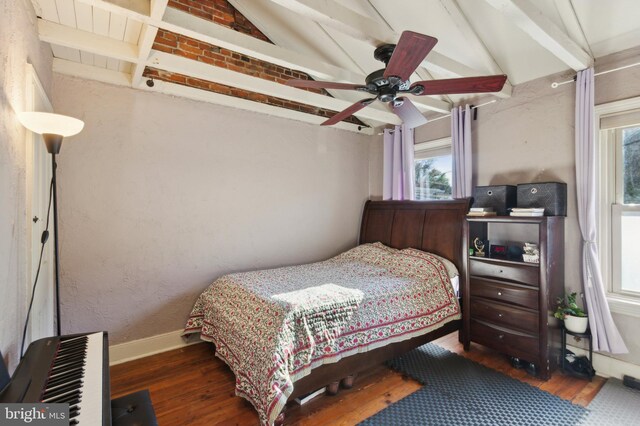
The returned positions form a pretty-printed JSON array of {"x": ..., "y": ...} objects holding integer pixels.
[{"x": 72, "y": 369}]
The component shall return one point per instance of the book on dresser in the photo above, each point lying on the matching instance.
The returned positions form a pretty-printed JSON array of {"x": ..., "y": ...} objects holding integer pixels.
[{"x": 507, "y": 302}]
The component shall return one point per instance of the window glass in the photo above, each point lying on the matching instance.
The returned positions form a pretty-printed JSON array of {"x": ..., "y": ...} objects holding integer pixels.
[
  {"x": 433, "y": 177},
  {"x": 629, "y": 265},
  {"x": 631, "y": 165}
]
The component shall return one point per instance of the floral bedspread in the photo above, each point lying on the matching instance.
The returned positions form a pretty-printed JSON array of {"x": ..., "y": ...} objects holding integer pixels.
[{"x": 272, "y": 327}]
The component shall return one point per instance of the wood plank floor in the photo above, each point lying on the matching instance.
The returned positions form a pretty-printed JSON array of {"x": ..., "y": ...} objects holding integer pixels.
[{"x": 190, "y": 386}]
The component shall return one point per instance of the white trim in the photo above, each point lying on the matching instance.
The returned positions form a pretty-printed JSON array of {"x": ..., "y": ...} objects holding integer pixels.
[
  {"x": 607, "y": 366},
  {"x": 141, "y": 348},
  {"x": 624, "y": 305},
  {"x": 434, "y": 144},
  {"x": 606, "y": 188}
]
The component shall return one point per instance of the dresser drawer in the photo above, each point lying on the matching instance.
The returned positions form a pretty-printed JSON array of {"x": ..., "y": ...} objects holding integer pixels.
[
  {"x": 504, "y": 315},
  {"x": 523, "y": 274},
  {"x": 504, "y": 292},
  {"x": 507, "y": 341}
]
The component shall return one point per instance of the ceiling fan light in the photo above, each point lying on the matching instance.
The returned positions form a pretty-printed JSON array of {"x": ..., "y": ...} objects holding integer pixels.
[{"x": 49, "y": 123}]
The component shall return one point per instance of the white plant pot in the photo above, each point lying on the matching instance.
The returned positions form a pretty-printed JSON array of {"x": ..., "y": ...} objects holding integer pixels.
[{"x": 576, "y": 324}]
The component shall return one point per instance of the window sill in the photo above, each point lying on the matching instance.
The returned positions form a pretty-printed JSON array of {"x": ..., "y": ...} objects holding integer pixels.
[{"x": 624, "y": 305}]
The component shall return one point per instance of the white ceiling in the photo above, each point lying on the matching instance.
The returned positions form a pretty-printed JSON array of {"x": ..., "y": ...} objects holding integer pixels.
[{"x": 334, "y": 40}]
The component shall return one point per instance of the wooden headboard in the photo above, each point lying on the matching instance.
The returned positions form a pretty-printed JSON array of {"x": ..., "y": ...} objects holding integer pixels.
[{"x": 433, "y": 226}]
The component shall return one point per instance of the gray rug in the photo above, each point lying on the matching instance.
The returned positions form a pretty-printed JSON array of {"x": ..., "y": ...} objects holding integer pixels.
[
  {"x": 458, "y": 391},
  {"x": 614, "y": 405}
]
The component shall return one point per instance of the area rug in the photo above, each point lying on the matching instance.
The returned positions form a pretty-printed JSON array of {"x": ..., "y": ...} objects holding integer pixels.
[
  {"x": 614, "y": 405},
  {"x": 458, "y": 391}
]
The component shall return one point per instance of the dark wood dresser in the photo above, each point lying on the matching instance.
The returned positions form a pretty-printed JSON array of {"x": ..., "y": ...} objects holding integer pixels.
[{"x": 509, "y": 304}]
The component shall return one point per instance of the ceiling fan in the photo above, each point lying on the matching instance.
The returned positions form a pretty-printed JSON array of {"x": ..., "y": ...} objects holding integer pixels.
[{"x": 390, "y": 83}]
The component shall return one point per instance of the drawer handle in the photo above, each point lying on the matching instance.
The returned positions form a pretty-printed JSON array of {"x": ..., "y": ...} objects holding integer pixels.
[
  {"x": 499, "y": 293},
  {"x": 501, "y": 271},
  {"x": 500, "y": 315},
  {"x": 500, "y": 336}
]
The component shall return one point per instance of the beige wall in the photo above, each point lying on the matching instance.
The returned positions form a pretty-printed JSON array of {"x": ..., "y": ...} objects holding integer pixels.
[
  {"x": 19, "y": 44},
  {"x": 530, "y": 138},
  {"x": 161, "y": 195}
]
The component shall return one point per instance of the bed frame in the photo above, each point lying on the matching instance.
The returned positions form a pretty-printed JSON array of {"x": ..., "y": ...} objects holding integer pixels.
[{"x": 433, "y": 226}]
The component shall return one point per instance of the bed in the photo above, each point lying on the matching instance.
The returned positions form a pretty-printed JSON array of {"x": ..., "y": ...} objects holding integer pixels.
[{"x": 286, "y": 332}]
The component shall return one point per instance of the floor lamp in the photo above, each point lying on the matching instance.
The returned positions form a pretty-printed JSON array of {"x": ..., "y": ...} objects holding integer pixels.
[{"x": 53, "y": 128}]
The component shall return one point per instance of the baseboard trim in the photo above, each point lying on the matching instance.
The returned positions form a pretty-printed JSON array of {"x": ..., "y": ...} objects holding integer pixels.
[
  {"x": 607, "y": 366},
  {"x": 141, "y": 348}
]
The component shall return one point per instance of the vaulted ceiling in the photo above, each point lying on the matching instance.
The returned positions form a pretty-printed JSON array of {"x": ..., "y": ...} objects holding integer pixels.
[{"x": 240, "y": 53}]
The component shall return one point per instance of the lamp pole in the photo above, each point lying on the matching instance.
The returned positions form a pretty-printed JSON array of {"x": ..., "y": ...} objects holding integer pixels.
[
  {"x": 55, "y": 241},
  {"x": 53, "y": 143}
]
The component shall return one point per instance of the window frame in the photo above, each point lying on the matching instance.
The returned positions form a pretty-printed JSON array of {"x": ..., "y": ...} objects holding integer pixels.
[
  {"x": 610, "y": 207},
  {"x": 436, "y": 148}
]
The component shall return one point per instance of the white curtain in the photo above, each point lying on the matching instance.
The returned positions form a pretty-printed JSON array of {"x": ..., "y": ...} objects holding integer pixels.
[
  {"x": 461, "y": 142},
  {"x": 398, "y": 172},
  {"x": 606, "y": 337}
]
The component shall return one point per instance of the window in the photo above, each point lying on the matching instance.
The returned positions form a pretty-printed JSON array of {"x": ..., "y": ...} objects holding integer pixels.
[
  {"x": 619, "y": 193},
  {"x": 433, "y": 165}
]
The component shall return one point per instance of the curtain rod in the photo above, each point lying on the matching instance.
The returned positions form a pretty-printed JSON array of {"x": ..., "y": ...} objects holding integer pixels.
[
  {"x": 573, "y": 80},
  {"x": 473, "y": 107},
  {"x": 449, "y": 115}
]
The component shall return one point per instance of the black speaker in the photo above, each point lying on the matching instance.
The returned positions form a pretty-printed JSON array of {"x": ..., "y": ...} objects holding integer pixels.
[{"x": 134, "y": 409}]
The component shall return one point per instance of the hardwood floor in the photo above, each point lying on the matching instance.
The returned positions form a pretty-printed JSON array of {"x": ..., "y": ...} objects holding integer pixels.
[{"x": 190, "y": 386}]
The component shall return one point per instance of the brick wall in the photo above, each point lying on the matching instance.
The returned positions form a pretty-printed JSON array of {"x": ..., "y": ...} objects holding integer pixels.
[{"x": 223, "y": 13}]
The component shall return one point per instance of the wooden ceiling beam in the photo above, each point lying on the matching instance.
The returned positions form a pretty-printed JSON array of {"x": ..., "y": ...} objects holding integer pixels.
[
  {"x": 147, "y": 36},
  {"x": 525, "y": 15},
  {"x": 62, "y": 35},
  {"x": 201, "y": 70},
  {"x": 233, "y": 102},
  {"x": 90, "y": 72}
]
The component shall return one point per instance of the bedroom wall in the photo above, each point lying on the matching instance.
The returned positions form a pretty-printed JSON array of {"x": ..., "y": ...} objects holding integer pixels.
[
  {"x": 19, "y": 45},
  {"x": 530, "y": 138},
  {"x": 160, "y": 195}
]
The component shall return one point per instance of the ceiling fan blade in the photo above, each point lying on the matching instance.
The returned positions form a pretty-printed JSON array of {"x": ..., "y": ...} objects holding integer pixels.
[
  {"x": 409, "y": 113},
  {"x": 348, "y": 112},
  {"x": 323, "y": 85},
  {"x": 452, "y": 86},
  {"x": 410, "y": 51}
]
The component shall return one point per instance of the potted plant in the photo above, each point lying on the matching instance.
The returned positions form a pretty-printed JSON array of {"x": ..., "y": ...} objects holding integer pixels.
[{"x": 575, "y": 319}]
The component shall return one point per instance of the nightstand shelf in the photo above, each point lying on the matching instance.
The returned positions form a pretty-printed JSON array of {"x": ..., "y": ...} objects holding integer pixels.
[
  {"x": 565, "y": 366},
  {"x": 509, "y": 303}
]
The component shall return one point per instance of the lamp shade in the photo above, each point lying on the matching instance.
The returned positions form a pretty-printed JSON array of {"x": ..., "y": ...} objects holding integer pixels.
[{"x": 55, "y": 124}]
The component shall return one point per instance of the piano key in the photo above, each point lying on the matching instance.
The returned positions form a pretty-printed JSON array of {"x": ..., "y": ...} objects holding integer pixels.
[
  {"x": 67, "y": 366},
  {"x": 65, "y": 398},
  {"x": 63, "y": 378},
  {"x": 64, "y": 357},
  {"x": 75, "y": 412},
  {"x": 79, "y": 368},
  {"x": 61, "y": 390},
  {"x": 72, "y": 346},
  {"x": 71, "y": 351},
  {"x": 91, "y": 404}
]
